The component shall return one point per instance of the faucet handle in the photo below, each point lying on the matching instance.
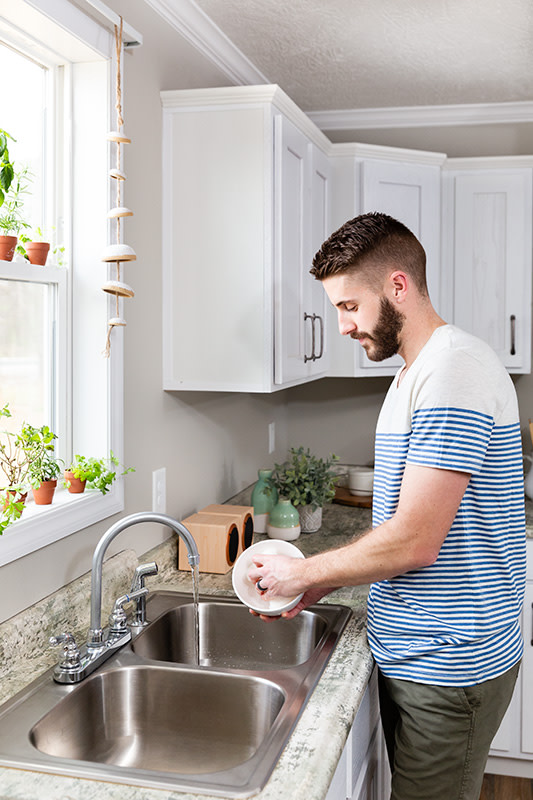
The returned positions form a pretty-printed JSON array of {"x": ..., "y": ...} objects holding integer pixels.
[
  {"x": 71, "y": 654},
  {"x": 142, "y": 572},
  {"x": 117, "y": 618}
]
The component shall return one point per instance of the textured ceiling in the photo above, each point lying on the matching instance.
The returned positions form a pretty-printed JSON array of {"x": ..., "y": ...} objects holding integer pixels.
[{"x": 347, "y": 54}]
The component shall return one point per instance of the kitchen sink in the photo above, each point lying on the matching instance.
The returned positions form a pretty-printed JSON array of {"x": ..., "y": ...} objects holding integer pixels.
[
  {"x": 156, "y": 718},
  {"x": 150, "y": 717},
  {"x": 231, "y": 637}
]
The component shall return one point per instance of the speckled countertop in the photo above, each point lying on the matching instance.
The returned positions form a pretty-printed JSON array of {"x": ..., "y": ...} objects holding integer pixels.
[{"x": 309, "y": 759}]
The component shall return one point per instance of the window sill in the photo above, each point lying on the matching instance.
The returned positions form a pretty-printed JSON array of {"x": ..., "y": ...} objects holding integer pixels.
[{"x": 40, "y": 526}]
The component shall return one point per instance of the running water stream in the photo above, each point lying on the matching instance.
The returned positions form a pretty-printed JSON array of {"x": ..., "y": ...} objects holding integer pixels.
[{"x": 195, "y": 598}]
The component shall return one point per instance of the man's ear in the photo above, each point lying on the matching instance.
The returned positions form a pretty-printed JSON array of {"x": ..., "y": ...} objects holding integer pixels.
[{"x": 398, "y": 285}]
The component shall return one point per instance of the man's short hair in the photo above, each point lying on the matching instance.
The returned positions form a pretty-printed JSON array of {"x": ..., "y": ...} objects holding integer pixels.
[{"x": 371, "y": 245}]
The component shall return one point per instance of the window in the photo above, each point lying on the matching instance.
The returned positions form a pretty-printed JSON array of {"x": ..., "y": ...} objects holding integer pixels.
[
  {"x": 53, "y": 319},
  {"x": 30, "y": 309}
]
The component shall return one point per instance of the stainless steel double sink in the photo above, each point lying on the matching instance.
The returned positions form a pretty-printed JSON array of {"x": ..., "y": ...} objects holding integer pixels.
[{"x": 151, "y": 717}]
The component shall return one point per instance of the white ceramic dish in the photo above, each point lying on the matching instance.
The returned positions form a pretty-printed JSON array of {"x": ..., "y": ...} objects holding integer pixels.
[
  {"x": 247, "y": 592},
  {"x": 361, "y": 481}
]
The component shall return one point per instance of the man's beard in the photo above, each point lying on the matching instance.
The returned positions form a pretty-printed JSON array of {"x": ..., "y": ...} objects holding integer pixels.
[{"x": 385, "y": 338}]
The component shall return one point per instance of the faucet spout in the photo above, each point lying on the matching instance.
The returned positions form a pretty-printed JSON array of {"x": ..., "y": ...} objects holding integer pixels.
[{"x": 95, "y": 637}]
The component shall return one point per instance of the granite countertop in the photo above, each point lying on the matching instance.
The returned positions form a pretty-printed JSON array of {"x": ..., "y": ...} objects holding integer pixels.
[{"x": 309, "y": 759}]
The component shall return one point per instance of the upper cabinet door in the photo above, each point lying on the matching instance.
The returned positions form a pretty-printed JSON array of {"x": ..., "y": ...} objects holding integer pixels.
[
  {"x": 316, "y": 298},
  {"x": 492, "y": 261},
  {"x": 411, "y": 194},
  {"x": 301, "y": 219},
  {"x": 291, "y": 218}
]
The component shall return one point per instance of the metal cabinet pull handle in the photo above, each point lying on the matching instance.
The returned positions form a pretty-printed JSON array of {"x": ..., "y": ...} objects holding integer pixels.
[
  {"x": 321, "y": 322},
  {"x": 513, "y": 324},
  {"x": 312, "y": 356}
]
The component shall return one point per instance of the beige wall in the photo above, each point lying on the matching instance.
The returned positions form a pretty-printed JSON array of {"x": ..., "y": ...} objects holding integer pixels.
[{"x": 211, "y": 444}]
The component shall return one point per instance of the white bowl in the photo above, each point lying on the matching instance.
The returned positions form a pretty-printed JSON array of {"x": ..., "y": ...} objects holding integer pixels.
[
  {"x": 361, "y": 481},
  {"x": 247, "y": 592}
]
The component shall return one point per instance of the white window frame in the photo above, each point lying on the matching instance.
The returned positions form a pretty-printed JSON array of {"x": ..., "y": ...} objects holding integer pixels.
[{"x": 40, "y": 526}]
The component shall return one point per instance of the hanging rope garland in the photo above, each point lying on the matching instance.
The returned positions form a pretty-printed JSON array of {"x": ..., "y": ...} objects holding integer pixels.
[{"x": 118, "y": 253}]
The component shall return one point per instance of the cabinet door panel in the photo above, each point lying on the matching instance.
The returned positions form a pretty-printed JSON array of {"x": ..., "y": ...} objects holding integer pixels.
[
  {"x": 315, "y": 296},
  {"x": 527, "y": 673},
  {"x": 291, "y": 210},
  {"x": 492, "y": 259},
  {"x": 411, "y": 194}
]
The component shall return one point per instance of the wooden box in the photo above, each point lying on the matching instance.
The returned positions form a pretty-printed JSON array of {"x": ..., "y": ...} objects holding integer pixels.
[
  {"x": 243, "y": 517},
  {"x": 217, "y": 538}
]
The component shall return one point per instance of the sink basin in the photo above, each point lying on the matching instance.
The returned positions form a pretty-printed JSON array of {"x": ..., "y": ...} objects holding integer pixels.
[
  {"x": 149, "y": 717},
  {"x": 152, "y": 718},
  {"x": 231, "y": 637}
]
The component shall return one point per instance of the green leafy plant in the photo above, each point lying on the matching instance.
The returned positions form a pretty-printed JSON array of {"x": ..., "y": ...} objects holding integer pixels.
[
  {"x": 12, "y": 221},
  {"x": 13, "y": 459},
  {"x": 38, "y": 444},
  {"x": 98, "y": 472},
  {"x": 305, "y": 479},
  {"x": 7, "y": 170},
  {"x": 14, "y": 464}
]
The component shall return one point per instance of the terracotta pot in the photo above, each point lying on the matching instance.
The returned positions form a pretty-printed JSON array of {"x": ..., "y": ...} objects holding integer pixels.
[
  {"x": 77, "y": 486},
  {"x": 22, "y": 497},
  {"x": 44, "y": 494},
  {"x": 37, "y": 252},
  {"x": 7, "y": 247}
]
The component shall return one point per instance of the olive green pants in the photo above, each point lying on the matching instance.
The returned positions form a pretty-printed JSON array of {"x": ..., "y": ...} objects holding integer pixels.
[{"x": 438, "y": 737}]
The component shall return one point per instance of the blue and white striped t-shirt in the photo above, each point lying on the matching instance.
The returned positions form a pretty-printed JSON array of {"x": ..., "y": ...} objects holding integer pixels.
[{"x": 455, "y": 622}]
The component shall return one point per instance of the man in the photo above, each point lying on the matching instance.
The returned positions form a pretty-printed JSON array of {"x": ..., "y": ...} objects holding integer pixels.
[{"x": 446, "y": 556}]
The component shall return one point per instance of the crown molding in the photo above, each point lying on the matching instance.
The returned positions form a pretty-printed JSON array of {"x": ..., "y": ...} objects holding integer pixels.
[
  {"x": 386, "y": 153},
  {"x": 489, "y": 162},
  {"x": 206, "y": 37},
  {"x": 423, "y": 116},
  {"x": 247, "y": 95}
]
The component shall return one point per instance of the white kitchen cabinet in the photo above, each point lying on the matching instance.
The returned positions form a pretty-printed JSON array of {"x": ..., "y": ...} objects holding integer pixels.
[
  {"x": 405, "y": 184},
  {"x": 512, "y": 748},
  {"x": 409, "y": 191},
  {"x": 363, "y": 770},
  {"x": 489, "y": 257},
  {"x": 302, "y": 188},
  {"x": 245, "y": 199}
]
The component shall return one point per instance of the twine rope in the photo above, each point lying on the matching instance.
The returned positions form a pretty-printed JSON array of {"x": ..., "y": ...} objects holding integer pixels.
[{"x": 120, "y": 124}]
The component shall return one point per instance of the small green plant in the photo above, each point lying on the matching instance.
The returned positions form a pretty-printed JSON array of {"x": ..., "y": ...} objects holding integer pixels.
[
  {"x": 98, "y": 472},
  {"x": 39, "y": 235},
  {"x": 12, "y": 222},
  {"x": 14, "y": 464},
  {"x": 12, "y": 506},
  {"x": 13, "y": 459},
  {"x": 305, "y": 479},
  {"x": 38, "y": 444},
  {"x": 7, "y": 170}
]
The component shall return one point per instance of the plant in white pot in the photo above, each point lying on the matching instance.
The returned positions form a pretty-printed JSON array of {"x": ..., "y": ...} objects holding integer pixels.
[{"x": 308, "y": 482}]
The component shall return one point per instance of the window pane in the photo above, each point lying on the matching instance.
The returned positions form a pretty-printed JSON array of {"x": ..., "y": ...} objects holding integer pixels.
[
  {"x": 25, "y": 352},
  {"x": 22, "y": 116}
]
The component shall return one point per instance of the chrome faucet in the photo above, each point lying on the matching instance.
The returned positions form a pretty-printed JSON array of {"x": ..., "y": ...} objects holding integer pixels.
[{"x": 76, "y": 663}]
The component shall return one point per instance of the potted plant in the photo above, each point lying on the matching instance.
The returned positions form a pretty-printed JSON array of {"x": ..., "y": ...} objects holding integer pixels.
[
  {"x": 308, "y": 482},
  {"x": 36, "y": 247},
  {"x": 12, "y": 222},
  {"x": 96, "y": 473},
  {"x": 14, "y": 465},
  {"x": 43, "y": 467}
]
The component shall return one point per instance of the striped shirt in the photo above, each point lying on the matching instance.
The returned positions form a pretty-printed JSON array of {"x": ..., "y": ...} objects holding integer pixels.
[{"x": 455, "y": 622}]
